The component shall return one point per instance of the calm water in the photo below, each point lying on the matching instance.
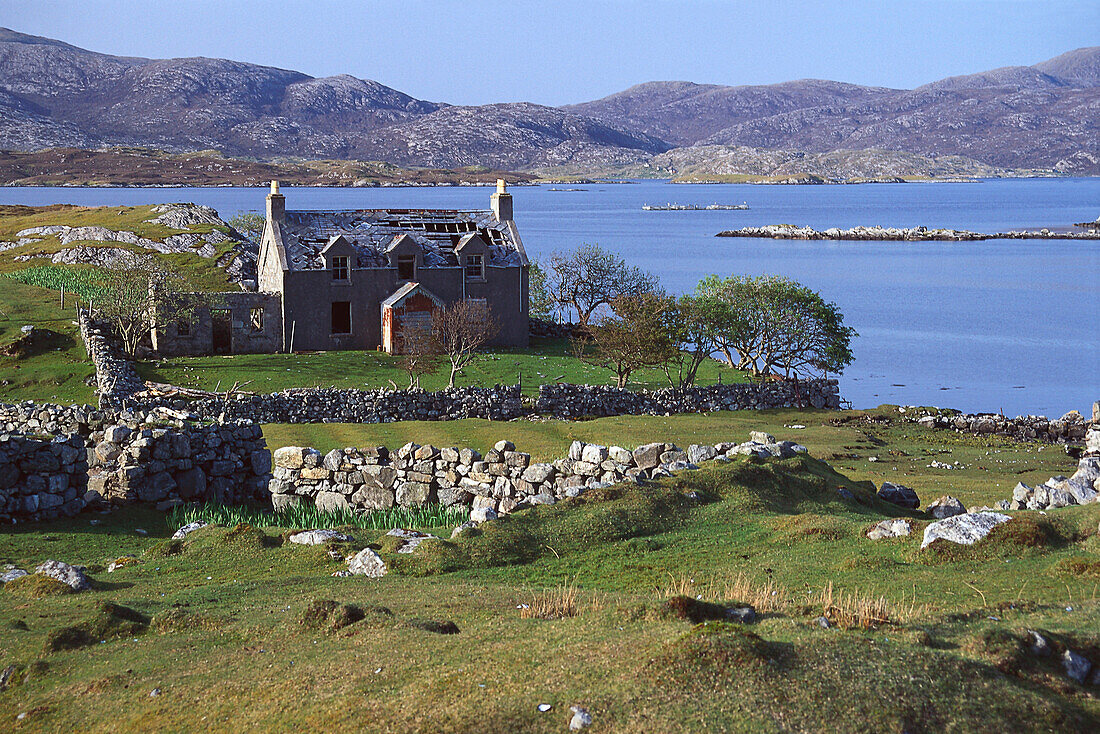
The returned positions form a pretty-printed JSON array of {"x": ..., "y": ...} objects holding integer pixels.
[{"x": 998, "y": 325}]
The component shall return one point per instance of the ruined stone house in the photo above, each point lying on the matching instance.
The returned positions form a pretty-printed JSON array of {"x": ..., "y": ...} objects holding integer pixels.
[{"x": 353, "y": 279}]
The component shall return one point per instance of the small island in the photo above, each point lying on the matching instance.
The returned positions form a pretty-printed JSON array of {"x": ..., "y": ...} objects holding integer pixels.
[{"x": 903, "y": 234}]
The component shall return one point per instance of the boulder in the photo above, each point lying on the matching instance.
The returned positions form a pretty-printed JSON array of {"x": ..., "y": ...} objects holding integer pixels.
[
  {"x": 1076, "y": 665},
  {"x": 73, "y": 576},
  {"x": 895, "y": 528},
  {"x": 963, "y": 529},
  {"x": 647, "y": 456},
  {"x": 594, "y": 454},
  {"x": 946, "y": 507},
  {"x": 371, "y": 497},
  {"x": 319, "y": 537},
  {"x": 503, "y": 446},
  {"x": 331, "y": 502},
  {"x": 698, "y": 453},
  {"x": 897, "y": 494},
  {"x": 483, "y": 514},
  {"x": 761, "y": 437},
  {"x": 11, "y": 575},
  {"x": 289, "y": 457},
  {"x": 367, "y": 563},
  {"x": 581, "y": 718},
  {"x": 538, "y": 473},
  {"x": 413, "y": 494}
]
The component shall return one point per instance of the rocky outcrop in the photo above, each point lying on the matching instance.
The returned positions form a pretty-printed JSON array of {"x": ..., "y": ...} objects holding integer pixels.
[
  {"x": 894, "y": 234},
  {"x": 1080, "y": 489}
]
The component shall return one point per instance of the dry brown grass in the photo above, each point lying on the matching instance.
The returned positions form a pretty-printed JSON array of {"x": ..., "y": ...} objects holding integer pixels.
[
  {"x": 855, "y": 610},
  {"x": 556, "y": 603},
  {"x": 765, "y": 596}
]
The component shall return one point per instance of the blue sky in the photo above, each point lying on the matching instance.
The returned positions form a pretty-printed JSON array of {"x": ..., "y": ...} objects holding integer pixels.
[{"x": 562, "y": 51}]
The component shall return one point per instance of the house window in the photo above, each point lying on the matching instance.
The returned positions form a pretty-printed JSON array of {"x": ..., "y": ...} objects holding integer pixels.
[
  {"x": 406, "y": 267},
  {"x": 183, "y": 327},
  {"x": 341, "y": 317},
  {"x": 340, "y": 267},
  {"x": 475, "y": 267},
  {"x": 256, "y": 317}
]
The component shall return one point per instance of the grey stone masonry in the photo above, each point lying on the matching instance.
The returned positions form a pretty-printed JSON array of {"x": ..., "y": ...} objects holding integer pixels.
[
  {"x": 576, "y": 401},
  {"x": 92, "y": 459},
  {"x": 42, "y": 478},
  {"x": 502, "y": 479},
  {"x": 116, "y": 378}
]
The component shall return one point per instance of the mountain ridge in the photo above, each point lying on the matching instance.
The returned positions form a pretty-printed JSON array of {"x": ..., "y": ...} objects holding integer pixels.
[{"x": 53, "y": 94}]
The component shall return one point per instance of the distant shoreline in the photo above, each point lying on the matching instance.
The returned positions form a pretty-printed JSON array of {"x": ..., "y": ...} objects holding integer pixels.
[{"x": 892, "y": 234}]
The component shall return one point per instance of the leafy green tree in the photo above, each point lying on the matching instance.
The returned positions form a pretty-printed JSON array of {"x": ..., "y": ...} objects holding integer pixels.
[
  {"x": 775, "y": 325},
  {"x": 249, "y": 224},
  {"x": 693, "y": 324},
  {"x": 633, "y": 336},
  {"x": 590, "y": 277},
  {"x": 542, "y": 304}
]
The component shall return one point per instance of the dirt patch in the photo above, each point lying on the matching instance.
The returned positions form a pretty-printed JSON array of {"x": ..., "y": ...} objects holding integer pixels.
[{"x": 439, "y": 627}]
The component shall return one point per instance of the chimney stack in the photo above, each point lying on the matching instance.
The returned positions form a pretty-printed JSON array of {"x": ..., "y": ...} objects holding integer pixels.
[
  {"x": 276, "y": 205},
  {"x": 501, "y": 202}
]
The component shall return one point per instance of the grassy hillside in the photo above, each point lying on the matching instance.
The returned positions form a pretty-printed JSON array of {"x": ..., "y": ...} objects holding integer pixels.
[{"x": 223, "y": 627}]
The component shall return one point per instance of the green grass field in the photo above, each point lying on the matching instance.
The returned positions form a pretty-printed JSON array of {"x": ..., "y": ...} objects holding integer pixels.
[
  {"x": 233, "y": 642},
  {"x": 546, "y": 360}
]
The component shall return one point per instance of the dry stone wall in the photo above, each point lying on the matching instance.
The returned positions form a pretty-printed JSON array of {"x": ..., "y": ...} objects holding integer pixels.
[
  {"x": 501, "y": 480},
  {"x": 575, "y": 401},
  {"x": 93, "y": 459},
  {"x": 116, "y": 378},
  {"x": 1071, "y": 427},
  {"x": 40, "y": 477}
]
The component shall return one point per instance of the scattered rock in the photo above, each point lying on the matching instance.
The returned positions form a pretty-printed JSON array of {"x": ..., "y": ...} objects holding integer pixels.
[
  {"x": 1038, "y": 644},
  {"x": 319, "y": 537},
  {"x": 367, "y": 563},
  {"x": 72, "y": 576},
  {"x": 188, "y": 528},
  {"x": 899, "y": 495},
  {"x": 483, "y": 514},
  {"x": 895, "y": 528},
  {"x": 1077, "y": 666},
  {"x": 11, "y": 575},
  {"x": 946, "y": 507},
  {"x": 412, "y": 538},
  {"x": 581, "y": 718},
  {"x": 963, "y": 529}
]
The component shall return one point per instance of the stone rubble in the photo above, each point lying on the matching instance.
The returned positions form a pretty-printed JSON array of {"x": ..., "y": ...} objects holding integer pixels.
[
  {"x": 895, "y": 528},
  {"x": 319, "y": 537}
]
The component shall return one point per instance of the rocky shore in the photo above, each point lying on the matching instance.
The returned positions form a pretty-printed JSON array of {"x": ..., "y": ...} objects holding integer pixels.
[{"x": 895, "y": 234}]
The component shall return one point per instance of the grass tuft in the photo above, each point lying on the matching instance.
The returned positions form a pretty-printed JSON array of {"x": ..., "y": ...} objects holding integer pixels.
[
  {"x": 304, "y": 516},
  {"x": 37, "y": 586},
  {"x": 556, "y": 603}
]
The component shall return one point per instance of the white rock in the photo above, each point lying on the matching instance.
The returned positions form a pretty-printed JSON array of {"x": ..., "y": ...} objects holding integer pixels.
[
  {"x": 946, "y": 507},
  {"x": 66, "y": 574},
  {"x": 483, "y": 514},
  {"x": 963, "y": 529},
  {"x": 895, "y": 528},
  {"x": 319, "y": 537},
  {"x": 188, "y": 528},
  {"x": 581, "y": 718},
  {"x": 412, "y": 538},
  {"x": 12, "y": 575},
  {"x": 1077, "y": 665},
  {"x": 367, "y": 563}
]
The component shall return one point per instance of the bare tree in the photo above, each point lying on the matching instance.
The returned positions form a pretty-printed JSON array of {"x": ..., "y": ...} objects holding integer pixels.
[
  {"x": 460, "y": 330},
  {"x": 419, "y": 352},
  {"x": 590, "y": 277},
  {"x": 140, "y": 294}
]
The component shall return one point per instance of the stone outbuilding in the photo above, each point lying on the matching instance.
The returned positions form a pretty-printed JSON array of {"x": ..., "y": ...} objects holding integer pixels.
[{"x": 332, "y": 280}]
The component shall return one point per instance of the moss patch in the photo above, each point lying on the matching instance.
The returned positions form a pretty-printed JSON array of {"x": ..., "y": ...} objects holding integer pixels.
[{"x": 37, "y": 586}]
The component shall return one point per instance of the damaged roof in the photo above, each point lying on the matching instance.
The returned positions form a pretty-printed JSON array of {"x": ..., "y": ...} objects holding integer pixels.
[{"x": 371, "y": 231}]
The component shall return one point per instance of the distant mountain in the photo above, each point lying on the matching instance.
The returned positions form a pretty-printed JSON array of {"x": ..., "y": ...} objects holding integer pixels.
[
  {"x": 1041, "y": 116},
  {"x": 54, "y": 95},
  {"x": 684, "y": 113}
]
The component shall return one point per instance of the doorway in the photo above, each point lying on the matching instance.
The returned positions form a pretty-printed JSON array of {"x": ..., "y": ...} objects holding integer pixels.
[{"x": 222, "y": 331}]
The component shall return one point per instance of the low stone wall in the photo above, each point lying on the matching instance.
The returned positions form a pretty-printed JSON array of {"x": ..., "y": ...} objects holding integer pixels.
[
  {"x": 228, "y": 464},
  {"x": 359, "y": 406},
  {"x": 100, "y": 458},
  {"x": 575, "y": 401},
  {"x": 502, "y": 480},
  {"x": 550, "y": 329},
  {"x": 42, "y": 478},
  {"x": 1070, "y": 428},
  {"x": 43, "y": 418}
]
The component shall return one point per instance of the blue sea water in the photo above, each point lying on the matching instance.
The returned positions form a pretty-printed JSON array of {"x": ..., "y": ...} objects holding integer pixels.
[{"x": 1010, "y": 325}]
